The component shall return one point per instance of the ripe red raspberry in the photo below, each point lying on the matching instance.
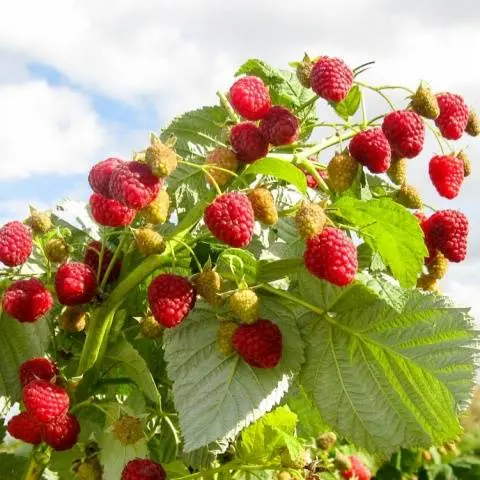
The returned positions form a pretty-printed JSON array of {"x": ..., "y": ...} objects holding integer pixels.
[
  {"x": 447, "y": 173},
  {"x": 331, "y": 79},
  {"x": 248, "y": 142},
  {"x": 27, "y": 300},
  {"x": 405, "y": 132},
  {"x": 24, "y": 427},
  {"x": 447, "y": 231},
  {"x": 92, "y": 256},
  {"x": 45, "y": 401},
  {"x": 331, "y": 256},
  {"x": 250, "y": 98},
  {"x": 171, "y": 297},
  {"x": 259, "y": 343},
  {"x": 358, "y": 471},
  {"x": 100, "y": 174},
  {"x": 75, "y": 283},
  {"x": 230, "y": 218},
  {"x": 15, "y": 243},
  {"x": 453, "y": 117},
  {"x": 62, "y": 433},
  {"x": 143, "y": 469},
  {"x": 311, "y": 182},
  {"x": 37, "y": 368},
  {"x": 110, "y": 212},
  {"x": 134, "y": 185},
  {"x": 371, "y": 148},
  {"x": 280, "y": 126},
  {"x": 423, "y": 220}
]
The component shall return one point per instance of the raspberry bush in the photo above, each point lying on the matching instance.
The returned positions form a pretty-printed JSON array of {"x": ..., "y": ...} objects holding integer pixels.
[{"x": 254, "y": 294}]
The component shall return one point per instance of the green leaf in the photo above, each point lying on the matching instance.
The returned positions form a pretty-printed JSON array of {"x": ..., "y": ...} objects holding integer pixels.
[
  {"x": 218, "y": 396},
  {"x": 279, "y": 168},
  {"x": 391, "y": 230},
  {"x": 163, "y": 447},
  {"x": 122, "y": 355},
  {"x": 270, "y": 271},
  {"x": 310, "y": 422},
  {"x": 19, "y": 342},
  {"x": 12, "y": 466},
  {"x": 385, "y": 288},
  {"x": 285, "y": 90},
  {"x": 113, "y": 455},
  {"x": 385, "y": 379},
  {"x": 238, "y": 265},
  {"x": 260, "y": 440},
  {"x": 349, "y": 105},
  {"x": 330, "y": 298},
  {"x": 197, "y": 132}
]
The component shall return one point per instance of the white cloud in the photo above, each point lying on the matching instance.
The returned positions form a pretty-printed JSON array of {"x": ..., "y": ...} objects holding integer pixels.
[
  {"x": 45, "y": 129},
  {"x": 175, "y": 54}
]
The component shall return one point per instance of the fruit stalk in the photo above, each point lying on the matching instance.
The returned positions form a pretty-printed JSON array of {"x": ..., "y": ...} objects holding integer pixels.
[
  {"x": 102, "y": 319},
  {"x": 37, "y": 463}
]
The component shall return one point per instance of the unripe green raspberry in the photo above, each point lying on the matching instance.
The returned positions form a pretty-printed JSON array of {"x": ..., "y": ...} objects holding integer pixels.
[
  {"x": 428, "y": 283},
  {"x": 473, "y": 125},
  {"x": 225, "y": 159},
  {"x": 148, "y": 241},
  {"x": 304, "y": 70},
  {"x": 289, "y": 461},
  {"x": 40, "y": 222},
  {"x": 245, "y": 305},
  {"x": 326, "y": 440},
  {"x": 128, "y": 430},
  {"x": 161, "y": 159},
  {"x": 226, "y": 329},
  {"x": 310, "y": 219},
  {"x": 398, "y": 171},
  {"x": 342, "y": 170},
  {"x": 409, "y": 197},
  {"x": 208, "y": 285},
  {"x": 157, "y": 212},
  {"x": 424, "y": 102},
  {"x": 263, "y": 206},
  {"x": 73, "y": 319},
  {"x": 438, "y": 266},
  {"x": 56, "y": 250},
  {"x": 89, "y": 469},
  {"x": 150, "y": 328},
  {"x": 284, "y": 476},
  {"x": 342, "y": 462},
  {"x": 467, "y": 164}
]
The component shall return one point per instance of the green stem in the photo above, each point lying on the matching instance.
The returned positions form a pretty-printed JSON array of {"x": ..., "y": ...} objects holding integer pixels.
[
  {"x": 102, "y": 319},
  {"x": 379, "y": 91},
  {"x": 228, "y": 107},
  {"x": 292, "y": 298},
  {"x": 310, "y": 168},
  {"x": 100, "y": 258},
  {"x": 327, "y": 143},
  {"x": 227, "y": 467},
  {"x": 113, "y": 261},
  {"x": 437, "y": 137},
  {"x": 37, "y": 463},
  {"x": 307, "y": 103}
]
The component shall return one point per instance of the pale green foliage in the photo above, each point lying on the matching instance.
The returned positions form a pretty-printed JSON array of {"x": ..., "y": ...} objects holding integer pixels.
[
  {"x": 216, "y": 397},
  {"x": 18, "y": 343},
  {"x": 386, "y": 379},
  {"x": 392, "y": 231}
]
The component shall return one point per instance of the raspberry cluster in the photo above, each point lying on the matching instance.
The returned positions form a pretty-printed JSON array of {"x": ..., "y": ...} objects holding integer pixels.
[
  {"x": 277, "y": 125},
  {"x": 46, "y": 418}
]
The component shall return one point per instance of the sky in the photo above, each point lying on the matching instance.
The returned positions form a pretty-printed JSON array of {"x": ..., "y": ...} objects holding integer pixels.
[{"x": 83, "y": 80}]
